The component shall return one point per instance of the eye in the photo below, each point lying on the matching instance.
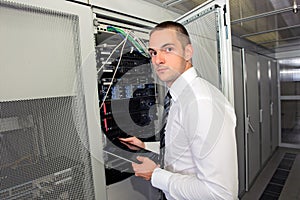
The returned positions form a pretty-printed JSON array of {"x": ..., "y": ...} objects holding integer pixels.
[{"x": 168, "y": 49}]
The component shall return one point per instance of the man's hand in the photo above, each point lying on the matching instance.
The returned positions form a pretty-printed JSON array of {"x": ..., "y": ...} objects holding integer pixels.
[
  {"x": 145, "y": 169},
  {"x": 133, "y": 140}
]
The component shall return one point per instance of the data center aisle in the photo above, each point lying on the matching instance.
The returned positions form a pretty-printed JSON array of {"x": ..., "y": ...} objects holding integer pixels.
[{"x": 279, "y": 179}]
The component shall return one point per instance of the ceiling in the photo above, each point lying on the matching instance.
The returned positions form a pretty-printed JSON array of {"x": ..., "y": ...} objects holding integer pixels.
[{"x": 272, "y": 25}]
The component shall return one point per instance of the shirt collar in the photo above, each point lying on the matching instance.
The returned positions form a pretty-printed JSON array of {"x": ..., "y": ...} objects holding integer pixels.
[{"x": 181, "y": 82}]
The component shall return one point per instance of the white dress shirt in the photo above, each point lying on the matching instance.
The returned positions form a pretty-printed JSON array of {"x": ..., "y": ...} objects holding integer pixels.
[{"x": 201, "y": 155}]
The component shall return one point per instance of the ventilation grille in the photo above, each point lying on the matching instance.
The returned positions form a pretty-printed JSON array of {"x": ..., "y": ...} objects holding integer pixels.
[{"x": 276, "y": 184}]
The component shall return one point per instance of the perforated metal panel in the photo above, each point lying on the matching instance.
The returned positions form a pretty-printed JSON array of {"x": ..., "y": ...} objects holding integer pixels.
[
  {"x": 44, "y": 147},
  {"x": 211, "y": 39},
  {"x": 204, "y": 33}
]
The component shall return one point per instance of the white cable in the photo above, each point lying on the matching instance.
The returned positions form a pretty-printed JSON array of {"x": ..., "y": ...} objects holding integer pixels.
[
  {"x": 113, "y": 77},
  {"x": 111, "y": 55}
]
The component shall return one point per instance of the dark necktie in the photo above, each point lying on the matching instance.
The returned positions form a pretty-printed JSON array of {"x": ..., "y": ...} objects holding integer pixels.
[{"x": 167, "y": 104}]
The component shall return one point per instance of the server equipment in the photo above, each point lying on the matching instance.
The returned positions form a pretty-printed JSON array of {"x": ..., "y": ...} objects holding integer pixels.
[{"x": 127, "y": 97}]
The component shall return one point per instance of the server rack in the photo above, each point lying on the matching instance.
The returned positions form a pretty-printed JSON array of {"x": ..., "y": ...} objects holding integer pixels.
[{"x": 128, "y": 99}]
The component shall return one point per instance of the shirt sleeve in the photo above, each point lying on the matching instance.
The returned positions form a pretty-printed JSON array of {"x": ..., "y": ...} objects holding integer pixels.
[{"x": 180, "y": 186}]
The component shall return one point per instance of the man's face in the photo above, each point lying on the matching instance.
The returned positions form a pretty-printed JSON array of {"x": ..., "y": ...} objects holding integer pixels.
[{"x": 169, "y": 57}]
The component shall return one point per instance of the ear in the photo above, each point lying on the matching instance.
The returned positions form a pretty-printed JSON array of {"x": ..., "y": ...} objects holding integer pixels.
[{"x": 188, "y": 52}]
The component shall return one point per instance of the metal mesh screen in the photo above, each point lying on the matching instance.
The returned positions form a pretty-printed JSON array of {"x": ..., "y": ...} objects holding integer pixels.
[
  {"x": 44, "y": 148},
  {"x": 204, "y": 32}
]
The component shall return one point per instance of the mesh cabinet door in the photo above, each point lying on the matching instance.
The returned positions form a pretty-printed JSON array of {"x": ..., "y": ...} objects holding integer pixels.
[
  {"x": 209, "y": 29},
  {"x": 45, "y": 148}
]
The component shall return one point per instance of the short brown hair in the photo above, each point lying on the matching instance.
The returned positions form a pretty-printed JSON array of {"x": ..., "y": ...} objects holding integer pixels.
[{"x": 182, "y": 33}]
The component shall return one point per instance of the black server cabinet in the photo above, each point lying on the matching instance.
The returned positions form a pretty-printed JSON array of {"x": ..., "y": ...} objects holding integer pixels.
[{"x": 127, "y": 95}]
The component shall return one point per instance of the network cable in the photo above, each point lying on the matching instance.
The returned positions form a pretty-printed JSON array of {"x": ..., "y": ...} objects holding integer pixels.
[
  {"x": 136, "y": 44},
  {"x": 113, "y": 77},
  {"x": 111, "y": 55}
]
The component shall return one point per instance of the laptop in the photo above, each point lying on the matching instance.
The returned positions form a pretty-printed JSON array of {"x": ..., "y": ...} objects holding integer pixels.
[{"x": 128, "y": 152}]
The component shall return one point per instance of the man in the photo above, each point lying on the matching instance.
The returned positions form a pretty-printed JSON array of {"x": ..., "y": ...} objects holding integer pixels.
[{"x": 200, "y": 160}]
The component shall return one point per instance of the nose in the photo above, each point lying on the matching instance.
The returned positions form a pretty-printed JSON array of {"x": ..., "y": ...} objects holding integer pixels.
[{"x": 159, "y": 58}]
